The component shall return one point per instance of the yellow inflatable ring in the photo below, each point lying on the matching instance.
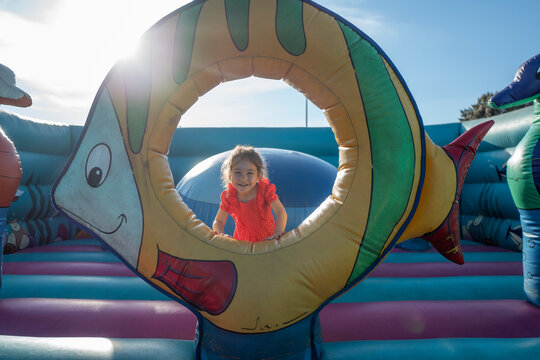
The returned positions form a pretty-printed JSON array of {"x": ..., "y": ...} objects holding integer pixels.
[{"x": 118, "y": 183}]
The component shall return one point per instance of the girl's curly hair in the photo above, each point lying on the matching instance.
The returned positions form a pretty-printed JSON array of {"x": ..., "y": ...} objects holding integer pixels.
[{"x": 239, "y": 153}]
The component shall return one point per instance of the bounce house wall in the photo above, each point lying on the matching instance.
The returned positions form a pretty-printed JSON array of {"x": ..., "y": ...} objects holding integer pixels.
[
  {"x": 488, "y": 214},
  {"x": 43, "y": 149},
  {"x": 191, "y": 145},
  {"x": 443, "y": 134}
]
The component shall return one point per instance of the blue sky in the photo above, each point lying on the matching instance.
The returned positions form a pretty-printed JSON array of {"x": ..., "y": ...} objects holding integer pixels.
[{"x": 448, "y": 52}]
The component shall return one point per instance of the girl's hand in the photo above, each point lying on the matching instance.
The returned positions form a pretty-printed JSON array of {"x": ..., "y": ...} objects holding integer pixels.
[
  {"x": 275, "y": 236},
  {"x": 222, "y": 234}
]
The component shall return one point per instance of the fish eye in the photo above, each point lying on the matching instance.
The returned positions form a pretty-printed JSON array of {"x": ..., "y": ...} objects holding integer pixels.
[{"x": 98, "y": 164}]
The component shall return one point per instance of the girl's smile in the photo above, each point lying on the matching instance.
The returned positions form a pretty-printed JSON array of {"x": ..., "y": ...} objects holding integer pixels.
[{"x": 244, "y": 177}]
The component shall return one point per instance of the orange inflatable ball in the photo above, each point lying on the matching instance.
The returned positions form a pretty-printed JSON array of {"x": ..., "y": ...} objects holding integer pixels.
[{"x": 10, "y": 170}]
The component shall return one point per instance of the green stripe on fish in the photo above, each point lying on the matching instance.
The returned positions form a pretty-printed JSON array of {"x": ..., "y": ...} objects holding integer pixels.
[
  {"x": 237, "y": 12},
  {"x": 392, "y": 147},
  {"x": 290, "y": 26},
  {"x": 183, "y": 42}
]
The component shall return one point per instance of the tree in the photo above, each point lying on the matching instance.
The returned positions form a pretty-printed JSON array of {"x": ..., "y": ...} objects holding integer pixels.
[{"x": 482, "y": 110}]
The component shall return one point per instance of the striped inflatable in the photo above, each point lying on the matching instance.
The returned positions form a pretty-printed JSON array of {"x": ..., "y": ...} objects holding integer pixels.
[{"x": 75, "y": 300}]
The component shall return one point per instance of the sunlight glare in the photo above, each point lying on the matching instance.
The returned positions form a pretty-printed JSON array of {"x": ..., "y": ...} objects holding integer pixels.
[
  {"x": 252, "y": 102},
  {"x": 74, "y": 45},
  {"x": 98, "y": 347}
]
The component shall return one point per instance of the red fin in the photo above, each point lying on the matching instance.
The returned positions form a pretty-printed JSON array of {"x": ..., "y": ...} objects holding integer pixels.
[
  {"x": 446, "y": 237},
  {"x": 24, "y": 101},
  {"x": 208, "y": 285}
]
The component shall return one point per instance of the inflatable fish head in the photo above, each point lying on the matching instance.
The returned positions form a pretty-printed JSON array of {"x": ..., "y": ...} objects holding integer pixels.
[{"x": 101, "y": 175}]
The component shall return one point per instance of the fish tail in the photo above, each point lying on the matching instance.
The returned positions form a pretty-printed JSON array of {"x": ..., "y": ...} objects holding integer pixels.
[{"x": 446, "y": 237}]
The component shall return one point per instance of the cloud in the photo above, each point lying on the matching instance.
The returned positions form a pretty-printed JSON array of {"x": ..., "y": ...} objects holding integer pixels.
[
  {"x": 373, "y": 24},
  {"x": 252, "y": 102},
  {"x": 64, "y": 56},
  {"x": 61, "y": 54},
  {"x": 252, "y": 85},
  {"x": 246, "y": 102}
]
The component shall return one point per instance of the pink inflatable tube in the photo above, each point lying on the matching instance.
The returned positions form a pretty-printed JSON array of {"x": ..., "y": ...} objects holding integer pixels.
[
  {"x": 430, "y": 319},
  {"x": 64, "y": 248},
  {"x": 416, "y": 270},
  {"x": 340, "y": 322},
  {"x": 467, "y": 246},
  {"x": 384, "y": 270},
  {"x": 96, "y": 318}
]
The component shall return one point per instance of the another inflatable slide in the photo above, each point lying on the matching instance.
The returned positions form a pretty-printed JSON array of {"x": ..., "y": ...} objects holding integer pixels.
[{"x": 109, "y": 250}]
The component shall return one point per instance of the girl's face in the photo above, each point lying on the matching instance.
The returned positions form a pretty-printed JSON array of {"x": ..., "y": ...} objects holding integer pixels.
[{"x": 244, "y": 177}]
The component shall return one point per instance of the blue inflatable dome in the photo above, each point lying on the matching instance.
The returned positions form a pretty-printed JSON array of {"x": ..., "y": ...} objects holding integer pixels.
[{"x": 302, "y": 182}]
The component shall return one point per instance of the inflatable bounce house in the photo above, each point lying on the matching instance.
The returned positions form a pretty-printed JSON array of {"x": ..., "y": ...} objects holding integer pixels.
[{"x": 109, "y": 246}]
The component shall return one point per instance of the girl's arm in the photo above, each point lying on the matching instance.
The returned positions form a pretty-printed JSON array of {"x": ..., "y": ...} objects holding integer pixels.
[
  {"x": 281, "y": 218},
  {"x": 219, "y": 223}
]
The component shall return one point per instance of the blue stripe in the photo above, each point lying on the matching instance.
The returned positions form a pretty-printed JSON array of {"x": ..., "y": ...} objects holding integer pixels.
[
  {"x": 63, "y": 256},
  {"x": 429, "y": 349},
  {"x": 412, "y": 257},
  {"x": 77, "y": 242},
  {"x": 55, "y": 348},
  {"x": 78, "y": 287},
  {"x": 21, "y": 347},
  {"x": 434, "y": 289}
]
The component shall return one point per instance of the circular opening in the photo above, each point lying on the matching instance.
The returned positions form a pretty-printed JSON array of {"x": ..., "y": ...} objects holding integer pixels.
[
  {"x": 253, "y": 102},
  {"x": 302, "y": 167},
  {"x": 353, "y": 151}
]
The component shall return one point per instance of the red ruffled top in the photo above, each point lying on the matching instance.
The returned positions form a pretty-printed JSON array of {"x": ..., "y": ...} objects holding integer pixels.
[{"x": 254, "y": 219}]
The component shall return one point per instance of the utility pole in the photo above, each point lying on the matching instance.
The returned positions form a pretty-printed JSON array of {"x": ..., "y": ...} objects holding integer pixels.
[{"x": 306, "y": 113}]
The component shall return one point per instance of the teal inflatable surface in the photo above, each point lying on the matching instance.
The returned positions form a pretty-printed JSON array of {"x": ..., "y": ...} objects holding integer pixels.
[{"x": 43, "y": 148}]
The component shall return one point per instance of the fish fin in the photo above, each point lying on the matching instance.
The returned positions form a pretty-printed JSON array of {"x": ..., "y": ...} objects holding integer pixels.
[
  {"x": 446, "y": 237},
  {"x": 208, "y": 285},
  {"x": 23, "y": 101}
]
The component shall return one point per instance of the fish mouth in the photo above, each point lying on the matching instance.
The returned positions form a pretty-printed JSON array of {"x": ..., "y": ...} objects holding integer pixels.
[{"x": 122, "y": 217}]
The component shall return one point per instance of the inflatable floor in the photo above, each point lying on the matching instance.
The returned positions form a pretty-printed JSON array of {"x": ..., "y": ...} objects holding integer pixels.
[{"x": 76, "y": 300}]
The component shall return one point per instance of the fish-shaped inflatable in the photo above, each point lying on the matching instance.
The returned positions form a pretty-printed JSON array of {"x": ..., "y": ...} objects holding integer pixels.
[
  {"x": 393, "y": 183},
  {"x": 523, "y": 169}
]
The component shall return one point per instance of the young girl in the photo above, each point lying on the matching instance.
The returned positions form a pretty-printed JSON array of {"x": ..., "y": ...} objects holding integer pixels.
[{"x": 249, "y": 198}]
